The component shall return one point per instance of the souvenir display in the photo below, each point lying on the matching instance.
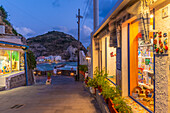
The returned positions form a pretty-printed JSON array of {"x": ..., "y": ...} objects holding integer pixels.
[
  {"x": 143, "y": 92},
  {"x": 160, "y": 42}
]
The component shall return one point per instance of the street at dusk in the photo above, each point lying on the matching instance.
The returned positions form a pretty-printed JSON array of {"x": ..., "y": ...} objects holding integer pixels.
[
  {"x": 84, "y": 56},
  {"x": 64, "y": 95}
]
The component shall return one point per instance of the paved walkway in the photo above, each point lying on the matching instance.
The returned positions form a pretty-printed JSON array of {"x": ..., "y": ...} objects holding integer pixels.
[{"x": 63, "y": 96}]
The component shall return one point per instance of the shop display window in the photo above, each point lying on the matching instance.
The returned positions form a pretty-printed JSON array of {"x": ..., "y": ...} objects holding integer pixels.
[
  {"x": 141, "y": 67},
  {"x": 11, "y": 61},
  {"x": 5, "y": 63}
]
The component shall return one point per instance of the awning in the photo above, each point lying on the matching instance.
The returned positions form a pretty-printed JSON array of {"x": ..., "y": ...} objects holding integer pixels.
[{"x": 24, "y": 47}]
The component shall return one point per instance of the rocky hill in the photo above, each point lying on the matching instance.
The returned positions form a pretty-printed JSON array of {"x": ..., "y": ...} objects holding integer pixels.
[{"x": 55, "y": 43}]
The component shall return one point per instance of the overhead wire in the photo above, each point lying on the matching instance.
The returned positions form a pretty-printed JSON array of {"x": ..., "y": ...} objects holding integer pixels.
[{"x": 85, "y": 14}]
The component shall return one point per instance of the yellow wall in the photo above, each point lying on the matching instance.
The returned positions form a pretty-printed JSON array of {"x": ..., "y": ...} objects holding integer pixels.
[
  {"x": 95, "y": 56},
  {"x": 133, "y": 56},
  {"x": 103, "y": 53}
]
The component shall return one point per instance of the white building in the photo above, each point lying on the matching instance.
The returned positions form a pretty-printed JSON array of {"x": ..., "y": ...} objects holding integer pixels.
[{"x": 83, "y": 60}]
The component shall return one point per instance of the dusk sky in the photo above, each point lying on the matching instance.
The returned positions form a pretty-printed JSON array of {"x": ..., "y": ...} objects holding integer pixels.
[{"x": 35, "y": 17}]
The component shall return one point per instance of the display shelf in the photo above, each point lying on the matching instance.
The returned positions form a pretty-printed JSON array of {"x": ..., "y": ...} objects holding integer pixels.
[
  {"x": 145, "y": 45},
  {"x": 148, "y": 71},
  {"x": 144, "y": 57},
  {"x": 145, "y": 85}
]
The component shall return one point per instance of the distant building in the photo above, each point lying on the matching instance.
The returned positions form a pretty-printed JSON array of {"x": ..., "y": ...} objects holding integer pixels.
[
  {"x": 83, "y": 60},
  {"x": 57, "y": 58},
  {"x": 41, "y": 59}
]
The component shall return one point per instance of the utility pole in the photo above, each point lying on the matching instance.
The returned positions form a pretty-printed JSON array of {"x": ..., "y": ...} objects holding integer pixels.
[{"x": 78, "y": 61}]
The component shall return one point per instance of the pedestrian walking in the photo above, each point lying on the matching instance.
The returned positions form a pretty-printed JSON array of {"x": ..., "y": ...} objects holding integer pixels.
[{"x": 55, "y": 71}]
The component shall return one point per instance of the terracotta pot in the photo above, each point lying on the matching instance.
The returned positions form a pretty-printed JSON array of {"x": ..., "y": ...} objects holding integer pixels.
[
  {"x": 86, "y": 81},
  {"x": 106, "y": 100},
  {"x": 99, "y": 88},
  {"x": 48, "y": 77},
  {"x": 95, "y": 90},
  {"x": 111, "y": 106},
  {"x": 82, "y": 72}
]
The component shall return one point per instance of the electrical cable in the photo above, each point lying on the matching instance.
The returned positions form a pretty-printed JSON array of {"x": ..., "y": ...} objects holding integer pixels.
[{"x": 86, "y": 12}]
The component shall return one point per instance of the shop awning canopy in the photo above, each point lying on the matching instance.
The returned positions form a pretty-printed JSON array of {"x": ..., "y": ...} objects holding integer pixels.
[{"x": 24, "y": 47}]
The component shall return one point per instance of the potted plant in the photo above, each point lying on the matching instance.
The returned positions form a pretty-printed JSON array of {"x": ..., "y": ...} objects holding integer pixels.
[
  {"x": 86, "y": 80},
  {"x": 107, "y": 92},
  {"x": 92, "y": 83},
  {"x": 48, "y": 81},
  {"x": 101, "y": 78},
  {"x": 121, "y": 106}
]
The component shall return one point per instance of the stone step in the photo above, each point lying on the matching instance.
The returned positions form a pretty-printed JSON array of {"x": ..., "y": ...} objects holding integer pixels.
[{"x": 2, "y": 88}]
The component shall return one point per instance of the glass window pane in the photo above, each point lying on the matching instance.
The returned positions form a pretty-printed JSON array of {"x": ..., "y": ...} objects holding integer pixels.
[
  {"x": 5, "y": 64},
  {"x": 21, "y": 61},
  {"x": 15, "y": 61}
]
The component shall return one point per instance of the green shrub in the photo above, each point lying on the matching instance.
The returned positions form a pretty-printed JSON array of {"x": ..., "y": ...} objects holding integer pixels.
[
  {"x": 31, "y": 60},
  {"x": 121, "y": 105},
  {"x": 49, "y": 74},
  {"x": 92, "y": 82},
  {"x": 83, "y": 68},
  {"x": 114, "y": 93}
]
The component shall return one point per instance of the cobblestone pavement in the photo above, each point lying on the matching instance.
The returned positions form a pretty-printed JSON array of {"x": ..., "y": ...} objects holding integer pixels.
[{"x": 63, "y": 96}]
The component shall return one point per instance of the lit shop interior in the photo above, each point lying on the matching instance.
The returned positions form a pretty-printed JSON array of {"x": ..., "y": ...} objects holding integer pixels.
[
  {"x": 11, "y": 62},
  {"x": 141, "y": 65}
]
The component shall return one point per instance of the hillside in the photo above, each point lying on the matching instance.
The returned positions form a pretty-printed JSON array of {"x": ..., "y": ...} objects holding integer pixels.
[{"x": 55, "y": 43}]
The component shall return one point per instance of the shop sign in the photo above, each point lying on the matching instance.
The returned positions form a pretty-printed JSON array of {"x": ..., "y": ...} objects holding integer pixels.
[
  {"x": 118, "y": 58},
  {"x": 165, "y": 12}
]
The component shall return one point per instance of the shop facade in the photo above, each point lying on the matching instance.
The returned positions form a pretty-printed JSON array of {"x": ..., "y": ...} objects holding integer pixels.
[
  {"x": 13, "y": 65},
  {"x": 137, "y": 32}
]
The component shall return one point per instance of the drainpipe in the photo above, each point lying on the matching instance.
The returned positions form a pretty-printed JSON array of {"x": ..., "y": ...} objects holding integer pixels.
[{"x": 95, "y": 25}]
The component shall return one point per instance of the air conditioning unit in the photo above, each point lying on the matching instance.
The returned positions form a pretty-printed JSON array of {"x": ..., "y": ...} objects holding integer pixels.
[{"x": 2, "y": 29}]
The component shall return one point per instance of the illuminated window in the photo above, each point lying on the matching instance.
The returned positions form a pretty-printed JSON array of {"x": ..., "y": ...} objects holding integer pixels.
[
  {"x": 141, "y": 67},
  {"x": 5, "y": 63},
  {"x": 15, "y": 61}
]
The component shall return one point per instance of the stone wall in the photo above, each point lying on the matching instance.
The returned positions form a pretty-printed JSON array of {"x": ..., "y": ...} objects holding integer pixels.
[
  {"x": 17, "y": 81},
  {"x": 162, "y": 63}
]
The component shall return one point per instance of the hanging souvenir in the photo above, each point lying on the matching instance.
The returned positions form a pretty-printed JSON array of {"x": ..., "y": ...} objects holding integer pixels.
[
  {"x": 155, "y": 46},
  {"x": 165, "y": 41},
  {"x": 161, "y": 45},
  {"x": 155, "y": 42},
  {"x": 161, "y": 51},
  {"x": 166, "y": 48},
  {"x": 165, "y": 35},
  {"x": 160, "y": 36},
  {"x": 160, "y": 41},
  {"x": 155, "y": 36},
  {"x": 157, "y": 50}
]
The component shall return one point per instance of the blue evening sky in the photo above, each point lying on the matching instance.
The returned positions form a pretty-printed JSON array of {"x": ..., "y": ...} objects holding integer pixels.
[{"x": 36, "y": 17}]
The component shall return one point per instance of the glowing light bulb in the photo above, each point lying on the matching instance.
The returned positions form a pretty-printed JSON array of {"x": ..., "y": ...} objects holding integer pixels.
[{"x": 151, "y": 16}]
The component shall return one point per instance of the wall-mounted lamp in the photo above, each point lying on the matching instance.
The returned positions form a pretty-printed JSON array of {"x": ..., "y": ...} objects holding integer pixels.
[
  {"x": 88, "y": 58},
  {"x": 151, "y": 16}
]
